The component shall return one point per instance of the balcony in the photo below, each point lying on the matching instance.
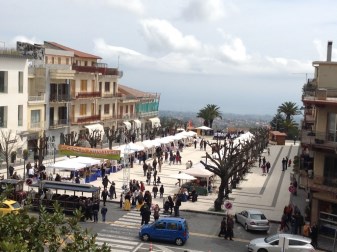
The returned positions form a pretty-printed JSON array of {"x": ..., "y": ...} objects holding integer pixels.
[
  {"x": 320, "y": 97},
  {"x": 101, "y": 68},
  {"x": 36, "y": 126},
  {"x": 319, "y": 140},
  {"x": 320, "y": 184},
  {"x": 86, "y": 119},
  {"x": 58, "y": 123},
  {"x": 59, "y": 98},
  {"x": 111, "y": 95},
  {"x": 38, "y": 99},
  {"x": 81, "y": 95}
]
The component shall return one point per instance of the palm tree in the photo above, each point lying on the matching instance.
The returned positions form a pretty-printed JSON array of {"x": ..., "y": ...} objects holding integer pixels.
[
  {"x": 209, "y": 113},
  {"x": 289, "y": 109}
]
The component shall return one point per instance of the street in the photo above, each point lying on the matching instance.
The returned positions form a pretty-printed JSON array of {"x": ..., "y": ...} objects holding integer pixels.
[{"x": 120, "y": 231}]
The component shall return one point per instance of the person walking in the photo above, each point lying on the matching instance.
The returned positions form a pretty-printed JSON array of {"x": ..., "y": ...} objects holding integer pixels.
[
  {"x": 176, "y": 206},
  {"x": 156, "y": 210},
  {"x": 112, "y": 190},
  {"x": 95, "y": 210},
  {"x": 104, "y": 195},
  {"x": 145, "y": 212},
  {"x": 11, "y": 171},
  {"x": 284, "y": 164},
  {"x": 230, "y": 227},
  {"x": 154, "y": 176},
  {"x": 104, "y": 210},
  {"x": 148, "y": 178},
  {"x": 223, "y": 227},
  {"x": 160, "y": 163},
  {"x": 154, "y": 163},
  {"x": 145, "y": 167},
  {"x": 171, "y": 203},
  {"x": 161, "y": 191},
  {"x": 268, "y": 166},
  {"x": 314, "y": 235},
  {"x": 106, "y": 181},
  {"x": 155, "y": 191}
]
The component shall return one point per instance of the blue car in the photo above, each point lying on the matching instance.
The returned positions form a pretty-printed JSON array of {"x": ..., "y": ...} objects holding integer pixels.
[{"x": 172, "y": 229}]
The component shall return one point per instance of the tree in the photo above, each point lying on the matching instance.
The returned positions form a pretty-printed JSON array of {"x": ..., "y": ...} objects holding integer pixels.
[
  {"x": 93, "y": 137},
  {"x": 70, "y": 139},
  {"x": 8, "y": 144},
  {"x": 277, "y": 122},
  {"x": 111, "y": 135},
  {"x": 209, "y": 113},
  {"x": 289, "y": 109},
  {"x": 49, "y": 232}
]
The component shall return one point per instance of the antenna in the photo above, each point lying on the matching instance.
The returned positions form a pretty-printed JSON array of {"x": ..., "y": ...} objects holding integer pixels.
[
  {"x": 118, "y": 62},
  {"x": 306, "y": 76}
]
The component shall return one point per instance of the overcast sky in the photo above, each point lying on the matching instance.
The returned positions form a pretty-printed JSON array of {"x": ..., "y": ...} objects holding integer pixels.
[{"x": 246, "y": 56}]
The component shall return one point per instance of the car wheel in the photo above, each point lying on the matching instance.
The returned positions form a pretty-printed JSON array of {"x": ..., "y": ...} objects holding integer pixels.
[
  {"x": 246, "y": 227},
  {"x": 179, "y": 242},
  {"x": 145, "y": 237},
  {"x": 262, "y": 250}
]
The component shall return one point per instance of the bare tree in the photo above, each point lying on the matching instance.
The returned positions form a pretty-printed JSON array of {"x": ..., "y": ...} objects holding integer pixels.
[
  {"x": 111, "y": 135},
  {"x": 9, "y": 142},
  {"x": 94, "y": 137},
  {"x": 70, "y": 139}
]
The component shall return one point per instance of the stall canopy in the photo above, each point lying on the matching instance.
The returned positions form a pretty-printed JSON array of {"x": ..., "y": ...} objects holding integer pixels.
[
  {"x": 182, "y": 176},
  {"x": 68, "y": 165},
  {"x": 155, "y": 122},
  {"x": 204, "y": 128},
  {"x": 97, "y": 127},
  {"x": 198, "y": 170},
  {"x": 138, "y": 124},
  {"x": 87, "y": 160},
  {"x": 127, "y": 125}
]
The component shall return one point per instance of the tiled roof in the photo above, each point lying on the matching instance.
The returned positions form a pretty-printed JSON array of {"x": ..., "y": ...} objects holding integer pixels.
[
  {"x": 134, "y": 92},
  {"x": 76, "y": 52}
]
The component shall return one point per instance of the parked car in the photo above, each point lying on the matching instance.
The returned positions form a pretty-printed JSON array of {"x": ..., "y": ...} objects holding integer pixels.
[
  {"x": 281, "y": 242},
  {"x": 173, "y": 229},
  {"x": 252, "y": 219},
  {"x": 9, "y": 206}
]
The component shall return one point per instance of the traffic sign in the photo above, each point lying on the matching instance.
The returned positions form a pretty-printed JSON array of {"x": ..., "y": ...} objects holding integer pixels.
[{"x": 228, "y": 205}]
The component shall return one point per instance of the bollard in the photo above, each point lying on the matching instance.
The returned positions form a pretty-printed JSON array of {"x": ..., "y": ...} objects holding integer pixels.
[{"x": 150, "y": 247}]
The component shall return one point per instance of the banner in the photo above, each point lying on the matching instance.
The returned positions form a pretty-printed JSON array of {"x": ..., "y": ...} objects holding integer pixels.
[{"x": 68, "y": 150}]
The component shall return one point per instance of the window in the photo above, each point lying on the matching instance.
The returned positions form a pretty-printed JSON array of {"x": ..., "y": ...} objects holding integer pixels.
[
  {"x": 3, "y": 81},
  {"x": 160, "y": 225},
  {"x": 126, "y": 109},
  {"x": 332, "y": 127},
  {"x": 172, "y": 226},
  {"x": 67, "y": 61},
  {"x": 3, "y": 117},
  {"x": 20, "y": 82},
  {"x": 52, "y": 60},
  {"x": 83, "y": 109},
  {"x": 106, "y": 108},
  {"x": 85, "y": 63},
  {"x": 296, "y": 243},
  {"x": 20, "y": 115},
  {"x": 59, "y": 60},
  {"x": 131, "y": 109},
  {"x": 274, "y": 243},
  {"x": 35, "y": 118},
  {"x": 107, "y": 87},
  {"x": 83, "y": 85}
]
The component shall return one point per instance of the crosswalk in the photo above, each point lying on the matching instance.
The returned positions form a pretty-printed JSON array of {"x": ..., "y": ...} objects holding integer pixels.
[{"x": 122, "y": 234}]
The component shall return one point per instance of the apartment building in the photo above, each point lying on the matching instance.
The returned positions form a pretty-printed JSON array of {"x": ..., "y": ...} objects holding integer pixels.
[
  {"x": 13, "y": 95},
  {"x": 319, "y": 142}
]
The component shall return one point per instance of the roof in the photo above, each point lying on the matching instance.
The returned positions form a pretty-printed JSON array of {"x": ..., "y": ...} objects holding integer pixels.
[
  {"x": 67, "y": 186},
  {"x": 278, "y": 133},
  {"x": 135, "y": 92},
  {"x": 77, "y": 53}
]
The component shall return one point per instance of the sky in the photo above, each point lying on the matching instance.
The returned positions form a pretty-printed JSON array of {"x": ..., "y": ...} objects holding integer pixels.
[{"x": 245, "y": 56}]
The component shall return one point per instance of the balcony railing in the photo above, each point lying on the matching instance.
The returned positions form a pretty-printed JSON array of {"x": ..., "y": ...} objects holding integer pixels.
[
  {"x": 98, "y": 68},
  {"x": 87, "y": 94},
  {"x": 59, "y": 98},
  {"x": 111, "y": 95},
  {"x": 319, "y": 139},
  {"x": 37, "y": 98},
  {"x": 320, "y": 183},
  {"x": 58, "y": 123},
  {"x": 35, "y": 126},
  {"x": 86, "y": 119}
]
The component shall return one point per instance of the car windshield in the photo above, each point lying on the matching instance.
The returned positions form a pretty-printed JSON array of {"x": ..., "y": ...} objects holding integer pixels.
[
  {"x": 16, "y": 205},
  {"x": 258, "y": 217},
  {"x": 271, "y": 238}
]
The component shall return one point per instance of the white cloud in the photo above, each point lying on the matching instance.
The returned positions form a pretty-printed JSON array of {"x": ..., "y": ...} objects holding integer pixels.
[
  {"x": 207, "y": 10},
  {"x": 135, "y": 6},
  {"x": 162, "y": 36}
]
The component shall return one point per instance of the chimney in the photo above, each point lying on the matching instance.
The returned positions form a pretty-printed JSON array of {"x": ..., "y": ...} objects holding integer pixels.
[{"x": 328, "y": 57}]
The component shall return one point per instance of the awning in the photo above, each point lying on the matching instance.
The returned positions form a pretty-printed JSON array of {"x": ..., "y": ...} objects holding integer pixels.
[
  {"x": 96, "y": 127},
  {"x": 127, "y": 125},
  {"x": 138, "y": 124},
  {"x": 155, "y": 122}
]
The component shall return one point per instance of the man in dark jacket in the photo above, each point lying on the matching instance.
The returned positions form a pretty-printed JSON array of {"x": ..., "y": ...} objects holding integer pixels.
[
  {"x": 106, "y": 181},
  {"x": 155, "y": 191},
  {"x": 112, "y": 190},
  {"x": 145, "y": 212},
  {"x": 105, "y": 194}
]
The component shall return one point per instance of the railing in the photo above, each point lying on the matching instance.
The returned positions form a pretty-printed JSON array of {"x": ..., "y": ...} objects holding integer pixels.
[
  {"x": 86, "y": 119},
  {"x": 59, "y": 98},
  {"x": 314, "y": 94},
  {"x": 111, "y": 95},
  {"x": 317, "y": 137},
  {"x": 57, "y": 123},
  {"x": 37, "y": 98},
  {"x": 87, "y": 94},
  {"x": 321, "y": 183},
  {"x": 35, "y": 125},
  {"x": 99, "y": 68}
]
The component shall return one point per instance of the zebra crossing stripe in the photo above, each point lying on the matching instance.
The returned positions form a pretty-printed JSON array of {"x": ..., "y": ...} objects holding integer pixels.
[
  {"x": 130, "y": 239},
  {"x": 115, "y": 246},
  {"x": 112, "y": 239}
]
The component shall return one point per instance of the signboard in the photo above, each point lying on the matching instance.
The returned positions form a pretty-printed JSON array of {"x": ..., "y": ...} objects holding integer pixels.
[
  {"x": 228, "y": 205},
  {"x": 68, "y": 150}
]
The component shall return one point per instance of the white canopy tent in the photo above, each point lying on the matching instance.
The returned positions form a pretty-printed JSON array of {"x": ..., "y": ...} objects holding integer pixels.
[
  {"x": 137, "y": 123},
  {"x": 127, "y": 125},
  {"x": 97, "y": 127},
  {"x": 182, "y": 176},
  {"x": 204, "y": 128},
  {"x": 155, "y": 122},
  {"x": 68, "y": 165},
  {"x": 198, "y": 170}
]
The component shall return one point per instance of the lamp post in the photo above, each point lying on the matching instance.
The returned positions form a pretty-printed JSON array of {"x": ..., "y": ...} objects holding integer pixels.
[{"x": 7, "y": 154}]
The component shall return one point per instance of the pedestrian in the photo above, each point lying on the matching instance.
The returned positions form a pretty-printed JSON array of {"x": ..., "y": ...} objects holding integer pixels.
[
  {"x": 145, "y": 167},
  {"x": 148, "y": 178},
  {"x": 289, "y": 162},
  {"x": 195, "y": 143},
  {"x": 201, "y": 144},
  {"x": 11, "y": 171},
  {"x": 112, "y": 190},
  {"x": 205, "y": 145},
  {"x": 155, "y": 191},
  {"x": 156, "y": 210},
  {"x": 127, "y": 201},
  {"x": 260, "y": 160},
  {"x": 121, "y": 201},
  {"x": 160, "y": 163},
  {"x": 283, "y": 164},
  {"x": 295, "y": 186},
  {"x": 95, "y": 210},
  {"x": 154, "y": 163},
  {"x": 154, "y": 176},
  {"x": 104, "y": 210},
  {"x": 104, "y": 195},
  {"x": 286, "y": 163},
  {"x": 102, "y": 171},
  {"x": 230, "y": 226},
  {"x": 263, "y": 170},
  {"x": 145, "y": 212},
  {"x": 106, "y": 181},
  {"x": 176, "y": 206},
  {"x": 314, "y": 235},
  {"x": 161, "y": 191},
  {"x": 306, "y": 230},
  {"x": 223, "y": 227},
  {"x": 268, "y": 166},
  {"x": 171, "y": 203},
  {"x": 268, "y": 151},
  {"x": 28, "y": 166}
]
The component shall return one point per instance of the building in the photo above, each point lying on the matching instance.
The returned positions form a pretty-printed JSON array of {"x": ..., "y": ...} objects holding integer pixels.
[
  {"x": 319, "y": 142},
  {"x": 13, "y": 95}
]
